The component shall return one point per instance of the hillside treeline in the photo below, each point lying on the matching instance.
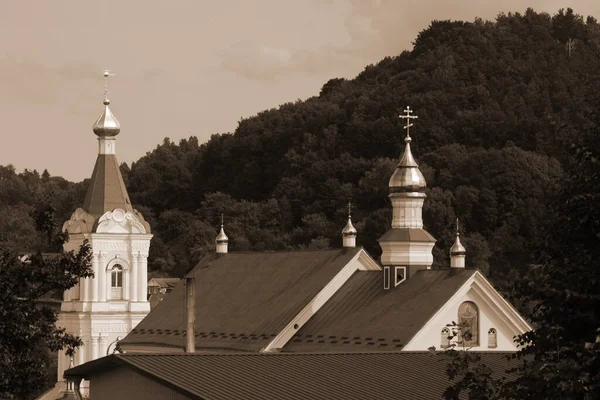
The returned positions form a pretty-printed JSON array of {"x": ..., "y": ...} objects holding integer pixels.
[{"x": 500, "y": 103}]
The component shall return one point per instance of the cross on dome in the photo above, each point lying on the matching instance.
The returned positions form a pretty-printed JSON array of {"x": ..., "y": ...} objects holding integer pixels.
[
  {"x": 457, "y": 230},
  {"x": 106, "y": 74},
  {"x": 349, "y": 209},
  {"x": 408, "y": 117}
]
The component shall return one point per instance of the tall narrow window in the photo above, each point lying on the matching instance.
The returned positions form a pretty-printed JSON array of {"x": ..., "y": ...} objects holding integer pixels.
[
  {"x": 116, "y": 282},
  {"x": 445, "y": 342},
  {"x": 468, "y": 321},
  {"x": 386, "y": 277},
  {"x": 492, "y": 338}
]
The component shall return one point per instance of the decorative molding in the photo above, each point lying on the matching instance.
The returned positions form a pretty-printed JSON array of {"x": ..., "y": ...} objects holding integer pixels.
[
  {"x": 80, "y": 222},
  {"x": 118, "y": 260},
  {"x": 119, "y": 221},
  {"x": 110, "y": 328}
]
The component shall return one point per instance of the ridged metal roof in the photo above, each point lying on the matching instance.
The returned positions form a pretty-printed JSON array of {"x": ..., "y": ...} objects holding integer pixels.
[
  {"x": 243, "y": 300},
  {"x": 398, "y": 376},
  {"x": 106, "y": 190},
  {"x": 362, "y": 316}
]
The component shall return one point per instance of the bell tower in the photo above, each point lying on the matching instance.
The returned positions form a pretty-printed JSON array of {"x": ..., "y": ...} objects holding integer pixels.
[
  {"x": 407, "y": 247},
  {"x": 105, "y": 307}
]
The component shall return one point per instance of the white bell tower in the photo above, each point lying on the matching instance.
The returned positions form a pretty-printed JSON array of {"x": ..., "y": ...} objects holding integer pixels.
[{"x": 106, "y": 307}]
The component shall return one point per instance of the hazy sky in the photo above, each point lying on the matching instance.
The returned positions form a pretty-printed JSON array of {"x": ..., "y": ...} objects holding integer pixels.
[{"x": 188, "y": 68}]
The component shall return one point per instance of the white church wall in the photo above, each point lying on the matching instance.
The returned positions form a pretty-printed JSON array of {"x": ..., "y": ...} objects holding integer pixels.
[
  {"x": 488, "y": 317},
  {"x": 494, "y": 312}
]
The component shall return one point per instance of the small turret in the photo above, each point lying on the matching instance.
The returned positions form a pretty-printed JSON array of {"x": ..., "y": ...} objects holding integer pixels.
[
  {"x": 349, "y": 231},
  {"x": 222, "y": 240},
  {"x": 457, "y": 251}
]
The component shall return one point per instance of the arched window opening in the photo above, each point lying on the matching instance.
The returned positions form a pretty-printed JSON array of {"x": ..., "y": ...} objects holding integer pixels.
[
  {"x": 468, "y": 321},
  {"x": 445, "y": 342},
  {"x": 116, "y": 282},
  {"x": 492, "y": 338}
]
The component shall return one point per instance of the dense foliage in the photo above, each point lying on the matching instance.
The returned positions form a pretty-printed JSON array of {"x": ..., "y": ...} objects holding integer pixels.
[
  {"x": 29, "y": 337},
  {"x": 499, "y": 103}
]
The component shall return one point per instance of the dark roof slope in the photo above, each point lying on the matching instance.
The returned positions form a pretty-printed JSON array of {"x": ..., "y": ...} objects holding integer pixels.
[
  {"x": 363, "y": 316},
  {"x": 106, "y": 190},
  {"x": 242, "y": 299},
  {"x": 398, "y": 376}
]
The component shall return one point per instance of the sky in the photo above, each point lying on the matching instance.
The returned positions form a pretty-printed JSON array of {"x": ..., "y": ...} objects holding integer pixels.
[{"x": 189, "y": 67}]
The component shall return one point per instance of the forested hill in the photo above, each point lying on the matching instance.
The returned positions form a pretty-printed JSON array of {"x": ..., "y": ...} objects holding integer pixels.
[{"x": 499, "y": 105}]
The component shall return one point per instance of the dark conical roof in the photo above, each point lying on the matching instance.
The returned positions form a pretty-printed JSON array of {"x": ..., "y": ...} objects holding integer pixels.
[{"x": 106, "y": 190}]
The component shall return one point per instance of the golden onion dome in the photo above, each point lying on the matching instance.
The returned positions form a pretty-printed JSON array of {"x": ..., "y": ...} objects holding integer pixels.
[
  {"x": 349, "y": 229},
  {"x": 107, "y": 125},
  {"x": 222, "y": 237},
  {"x": 457, "y": 248},
  {"x": 407, "y": 177}
]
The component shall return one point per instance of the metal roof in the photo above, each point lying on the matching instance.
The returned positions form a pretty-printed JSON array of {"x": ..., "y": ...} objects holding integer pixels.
[
  {"x": 362, "y": 316},
  {"x": 398, "y": 376},
  {"x": 407, "y": 235},
  {"x": 243, "y": 300},
  {"x": 106, "y": 190}
]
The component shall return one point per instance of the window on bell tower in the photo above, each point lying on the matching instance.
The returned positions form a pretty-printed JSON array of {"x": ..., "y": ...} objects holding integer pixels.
[{"x": 116, "y": 282}]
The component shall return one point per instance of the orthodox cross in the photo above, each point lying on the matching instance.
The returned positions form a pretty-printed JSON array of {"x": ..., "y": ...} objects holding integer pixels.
[
  {"x": 349, "y": 208},
  {"x": 408, "y": 117},
  {"x": 457, "y": 226},
  {"x": 221, "y": 220},
  {"x": 106, "y": 74}
]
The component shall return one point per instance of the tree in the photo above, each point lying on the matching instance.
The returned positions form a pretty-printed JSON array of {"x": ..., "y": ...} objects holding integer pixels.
[
  {"x": 560, "y": 359},
  {"x": 27, "y": 323}
]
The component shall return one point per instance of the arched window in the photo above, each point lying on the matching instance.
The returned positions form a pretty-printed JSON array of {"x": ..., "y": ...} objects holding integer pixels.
[
  {"x": 445, "y": 343},
  {"x": 116, "y": 282},
  {"x": 492, "y": 338},
  {"x": 468, "y": 321}
]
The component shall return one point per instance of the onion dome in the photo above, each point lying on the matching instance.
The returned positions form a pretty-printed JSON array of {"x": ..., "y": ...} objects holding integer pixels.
[
  {"x": 457, "y": 248},
  {"x": 222, "y": 237},
  {"x": 407, "y": 177},
  {"x": 349, "y": 229},
  {"x": 107, "y": 125}
]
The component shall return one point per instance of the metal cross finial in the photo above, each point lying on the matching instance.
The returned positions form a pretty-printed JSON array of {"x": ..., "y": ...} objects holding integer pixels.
[
  {"x": 408, "y": 117},
  {"x": 457, "y": 232},
  {"x": 106, "y": 74},
  {"x": 221, "y": 220},
  {"x": 349, "y": 209}
]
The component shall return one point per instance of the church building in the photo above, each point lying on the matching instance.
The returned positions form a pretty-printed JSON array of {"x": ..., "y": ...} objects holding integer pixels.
[
  {"x": 251, "y": 314},
  {"x": 104, "y": 308}
]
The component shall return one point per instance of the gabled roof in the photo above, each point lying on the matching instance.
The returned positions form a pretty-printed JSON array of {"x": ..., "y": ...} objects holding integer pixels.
[
  {"x": 164, "y": 282},
  {"x": 106, "y": 190},
  {"x": 398, "y": 376},
  {"x": 362, "y": 316},
  {"x": 243, "y": 300}
]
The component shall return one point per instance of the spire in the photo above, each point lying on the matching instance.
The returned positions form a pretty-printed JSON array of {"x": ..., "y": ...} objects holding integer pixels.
[
  {"x": 457, "y": 251},
  {"x": 106, "y": 125},
  {"x": 407, "y": 177},
  {"x": 222, "y": 240},
  {"x": 106, "y": 190},
  {"x": 349, "y": 232}
]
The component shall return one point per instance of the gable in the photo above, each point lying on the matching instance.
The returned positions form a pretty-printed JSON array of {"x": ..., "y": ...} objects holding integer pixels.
[
  {"x": 362, "y": 316},
  {"x": 243, "y": 300},
  {"x": 494, "y": 312}
]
